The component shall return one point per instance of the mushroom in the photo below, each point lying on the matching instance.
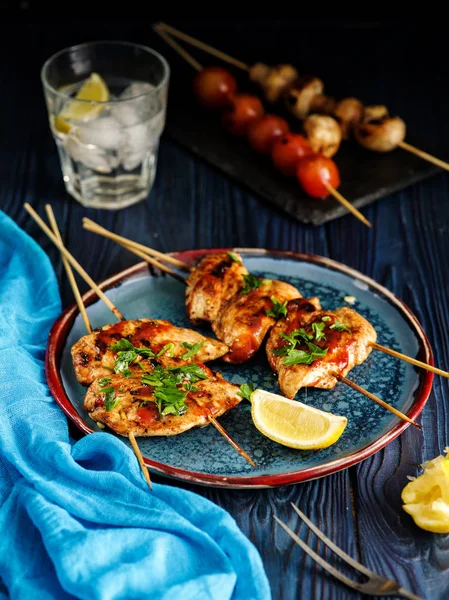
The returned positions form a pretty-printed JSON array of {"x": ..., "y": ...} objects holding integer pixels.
[
  {"x": 374, "y": 112},
  {"x": 323, "y": 104},
  {"x": 348, "y": 112},
  {"x": 273, "y": 80},
  {"x": 323, "y": 133},
  {"x": 378, "y": 131},
  {"x": 299, "y": 97}
]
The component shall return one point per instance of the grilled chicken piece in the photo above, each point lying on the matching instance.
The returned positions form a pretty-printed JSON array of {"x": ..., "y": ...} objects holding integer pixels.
[
  {"x": 345, "y": 349},
  {"x": 92, "y": 357},
  {"x": 137, "y": 412},
  {"x": 213, "y": 281},
  {"x": 243, "y": 322}
]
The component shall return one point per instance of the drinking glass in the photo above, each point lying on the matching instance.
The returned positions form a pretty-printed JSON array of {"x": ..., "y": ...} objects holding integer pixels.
[{"x": 108, "y": 145}]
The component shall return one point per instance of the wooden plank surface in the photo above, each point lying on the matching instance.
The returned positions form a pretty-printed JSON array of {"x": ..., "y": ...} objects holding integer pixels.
[{"x": 192, "y": 205}]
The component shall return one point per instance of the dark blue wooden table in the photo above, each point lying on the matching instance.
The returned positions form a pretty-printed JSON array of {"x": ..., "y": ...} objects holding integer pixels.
[{"x": 195, "y": 206}]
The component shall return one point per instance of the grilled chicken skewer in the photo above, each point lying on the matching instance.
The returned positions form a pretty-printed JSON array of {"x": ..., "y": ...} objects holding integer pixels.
[
  {"x": 222, "y": 292},
  {"x": 132, "y": 404},
  {"x": 150, "y": 253},
  {"x": 212, "y": 283},
  {"x": 57, "y": 240},
  {"x": 243, "y": 322},
  {"x": 334, "y": 342},
  {"x": 315, "y": 348},
  {"x": 93, "y": 356}
]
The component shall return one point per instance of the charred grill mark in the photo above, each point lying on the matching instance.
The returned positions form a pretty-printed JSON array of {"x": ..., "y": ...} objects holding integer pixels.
[
  {"x": 363, "y": 132},
  {"x": 83, "y": 359},
  {"x": 376, "y": 121},
  {"x": 220, "y": 269},
  {"x": 300, "y": 304}
]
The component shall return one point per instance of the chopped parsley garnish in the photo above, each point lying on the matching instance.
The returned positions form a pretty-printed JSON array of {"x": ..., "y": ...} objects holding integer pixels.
[
  {"x": 168, "y": 348},
  {"x": 169, "y": 398},
  {"x": 104, "y": 381},
  {"x": 325, "y": 319},
  {"x": 191, "y": 388},
  {"x": 127, "y": 353},
  {"x": 250, "y": 282},
  {"x": 339, "y": 326},
  {"x": 317, "y": 329},
  {"x": 246, "y": 390},
  {"x": 191, "y": 349},
  {"x": 278, "y": 310},
  {"x": 193, "y": 373},
  {"x": 294, "y": 356},
  {"x": 234, "y": 258},
  {"x": 109, "y": 400}
]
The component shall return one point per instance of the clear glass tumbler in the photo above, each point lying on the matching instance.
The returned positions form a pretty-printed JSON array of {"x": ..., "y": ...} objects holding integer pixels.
[{"x": 106, "y": 103}]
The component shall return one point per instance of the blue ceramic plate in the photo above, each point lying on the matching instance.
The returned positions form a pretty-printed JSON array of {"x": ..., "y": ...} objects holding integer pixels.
[{"x": 202, "y": 455}]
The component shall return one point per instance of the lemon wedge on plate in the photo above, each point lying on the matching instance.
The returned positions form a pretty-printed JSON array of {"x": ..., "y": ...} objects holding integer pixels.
[
  {"x": 94, "y": 89},
  {"x": 426, "y": 498},
  {"x": 294, "y": 424}
]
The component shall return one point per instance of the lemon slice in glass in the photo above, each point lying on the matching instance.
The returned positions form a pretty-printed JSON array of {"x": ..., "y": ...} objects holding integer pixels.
[
  {"x": 426, "y": 498},
  {"x": 294, "y": 424},
  {"x": 94, "y": 89}
]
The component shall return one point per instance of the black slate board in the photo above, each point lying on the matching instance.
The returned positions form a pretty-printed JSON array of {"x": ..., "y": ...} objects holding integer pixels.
[{"x": 366, "y": 176}]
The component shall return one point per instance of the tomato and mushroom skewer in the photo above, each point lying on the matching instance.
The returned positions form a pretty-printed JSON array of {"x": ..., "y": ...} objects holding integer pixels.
[
  {"x": 279, "y": 80},
  {"x": 243, "y": 115}
]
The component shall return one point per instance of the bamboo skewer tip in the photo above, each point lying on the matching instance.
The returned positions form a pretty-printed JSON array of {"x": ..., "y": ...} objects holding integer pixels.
[
  {"x": 73, "y": 262},
  {"x": 68, "y": 268},
  {"x": 409, "y": 359},
  {"x": 140, "y": 459},
  {"x": 352, "y": 209},
  {"x": 168, "y": 29},
  {"x": 375, "y": 398},
  {"x": 231, "y": 441}
]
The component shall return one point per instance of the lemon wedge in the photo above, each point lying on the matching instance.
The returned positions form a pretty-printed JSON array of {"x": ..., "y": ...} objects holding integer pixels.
[
  {"x": 294, "y": 424},
  {"x": 94, "y": 89},
  {"x": 426, "y": 498}
]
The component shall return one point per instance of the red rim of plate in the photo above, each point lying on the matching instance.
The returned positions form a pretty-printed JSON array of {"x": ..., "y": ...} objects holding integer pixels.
[{"x": 63, "y": 324}]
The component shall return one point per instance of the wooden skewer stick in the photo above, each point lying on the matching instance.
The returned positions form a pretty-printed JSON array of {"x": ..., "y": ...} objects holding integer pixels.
[
  {"x": 347, "y": 204},
  {"x": 82, "y": 309},
  {"x": 424, "y": 155},
  {"x": 408, "y": 359},
  {"x": 202, "y": 46},
  {"x": 179, "y": 49},
  {"x": 75, "y": 264},
  {"x": 139, "y": 457},
  {"x": 68, "y": 269},
  {"x": 137, "y": 246},
  {"x": 152, "y": 261},
  {"x": 371, "y": 396},
  {"x": 233, "y": 443}
]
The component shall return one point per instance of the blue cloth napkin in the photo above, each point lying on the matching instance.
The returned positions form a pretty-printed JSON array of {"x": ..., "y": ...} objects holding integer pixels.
[{"x": 77, "y": 519}]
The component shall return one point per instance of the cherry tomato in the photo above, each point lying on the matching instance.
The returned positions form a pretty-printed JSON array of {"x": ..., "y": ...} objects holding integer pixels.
[
  {"x": 263, "y": 133},
  {"x": 213, "y": 87},
  {"x": 287, "y": 151},
  {"x": 313, "y": 171},
  {"x": 244, "y": 110}
]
